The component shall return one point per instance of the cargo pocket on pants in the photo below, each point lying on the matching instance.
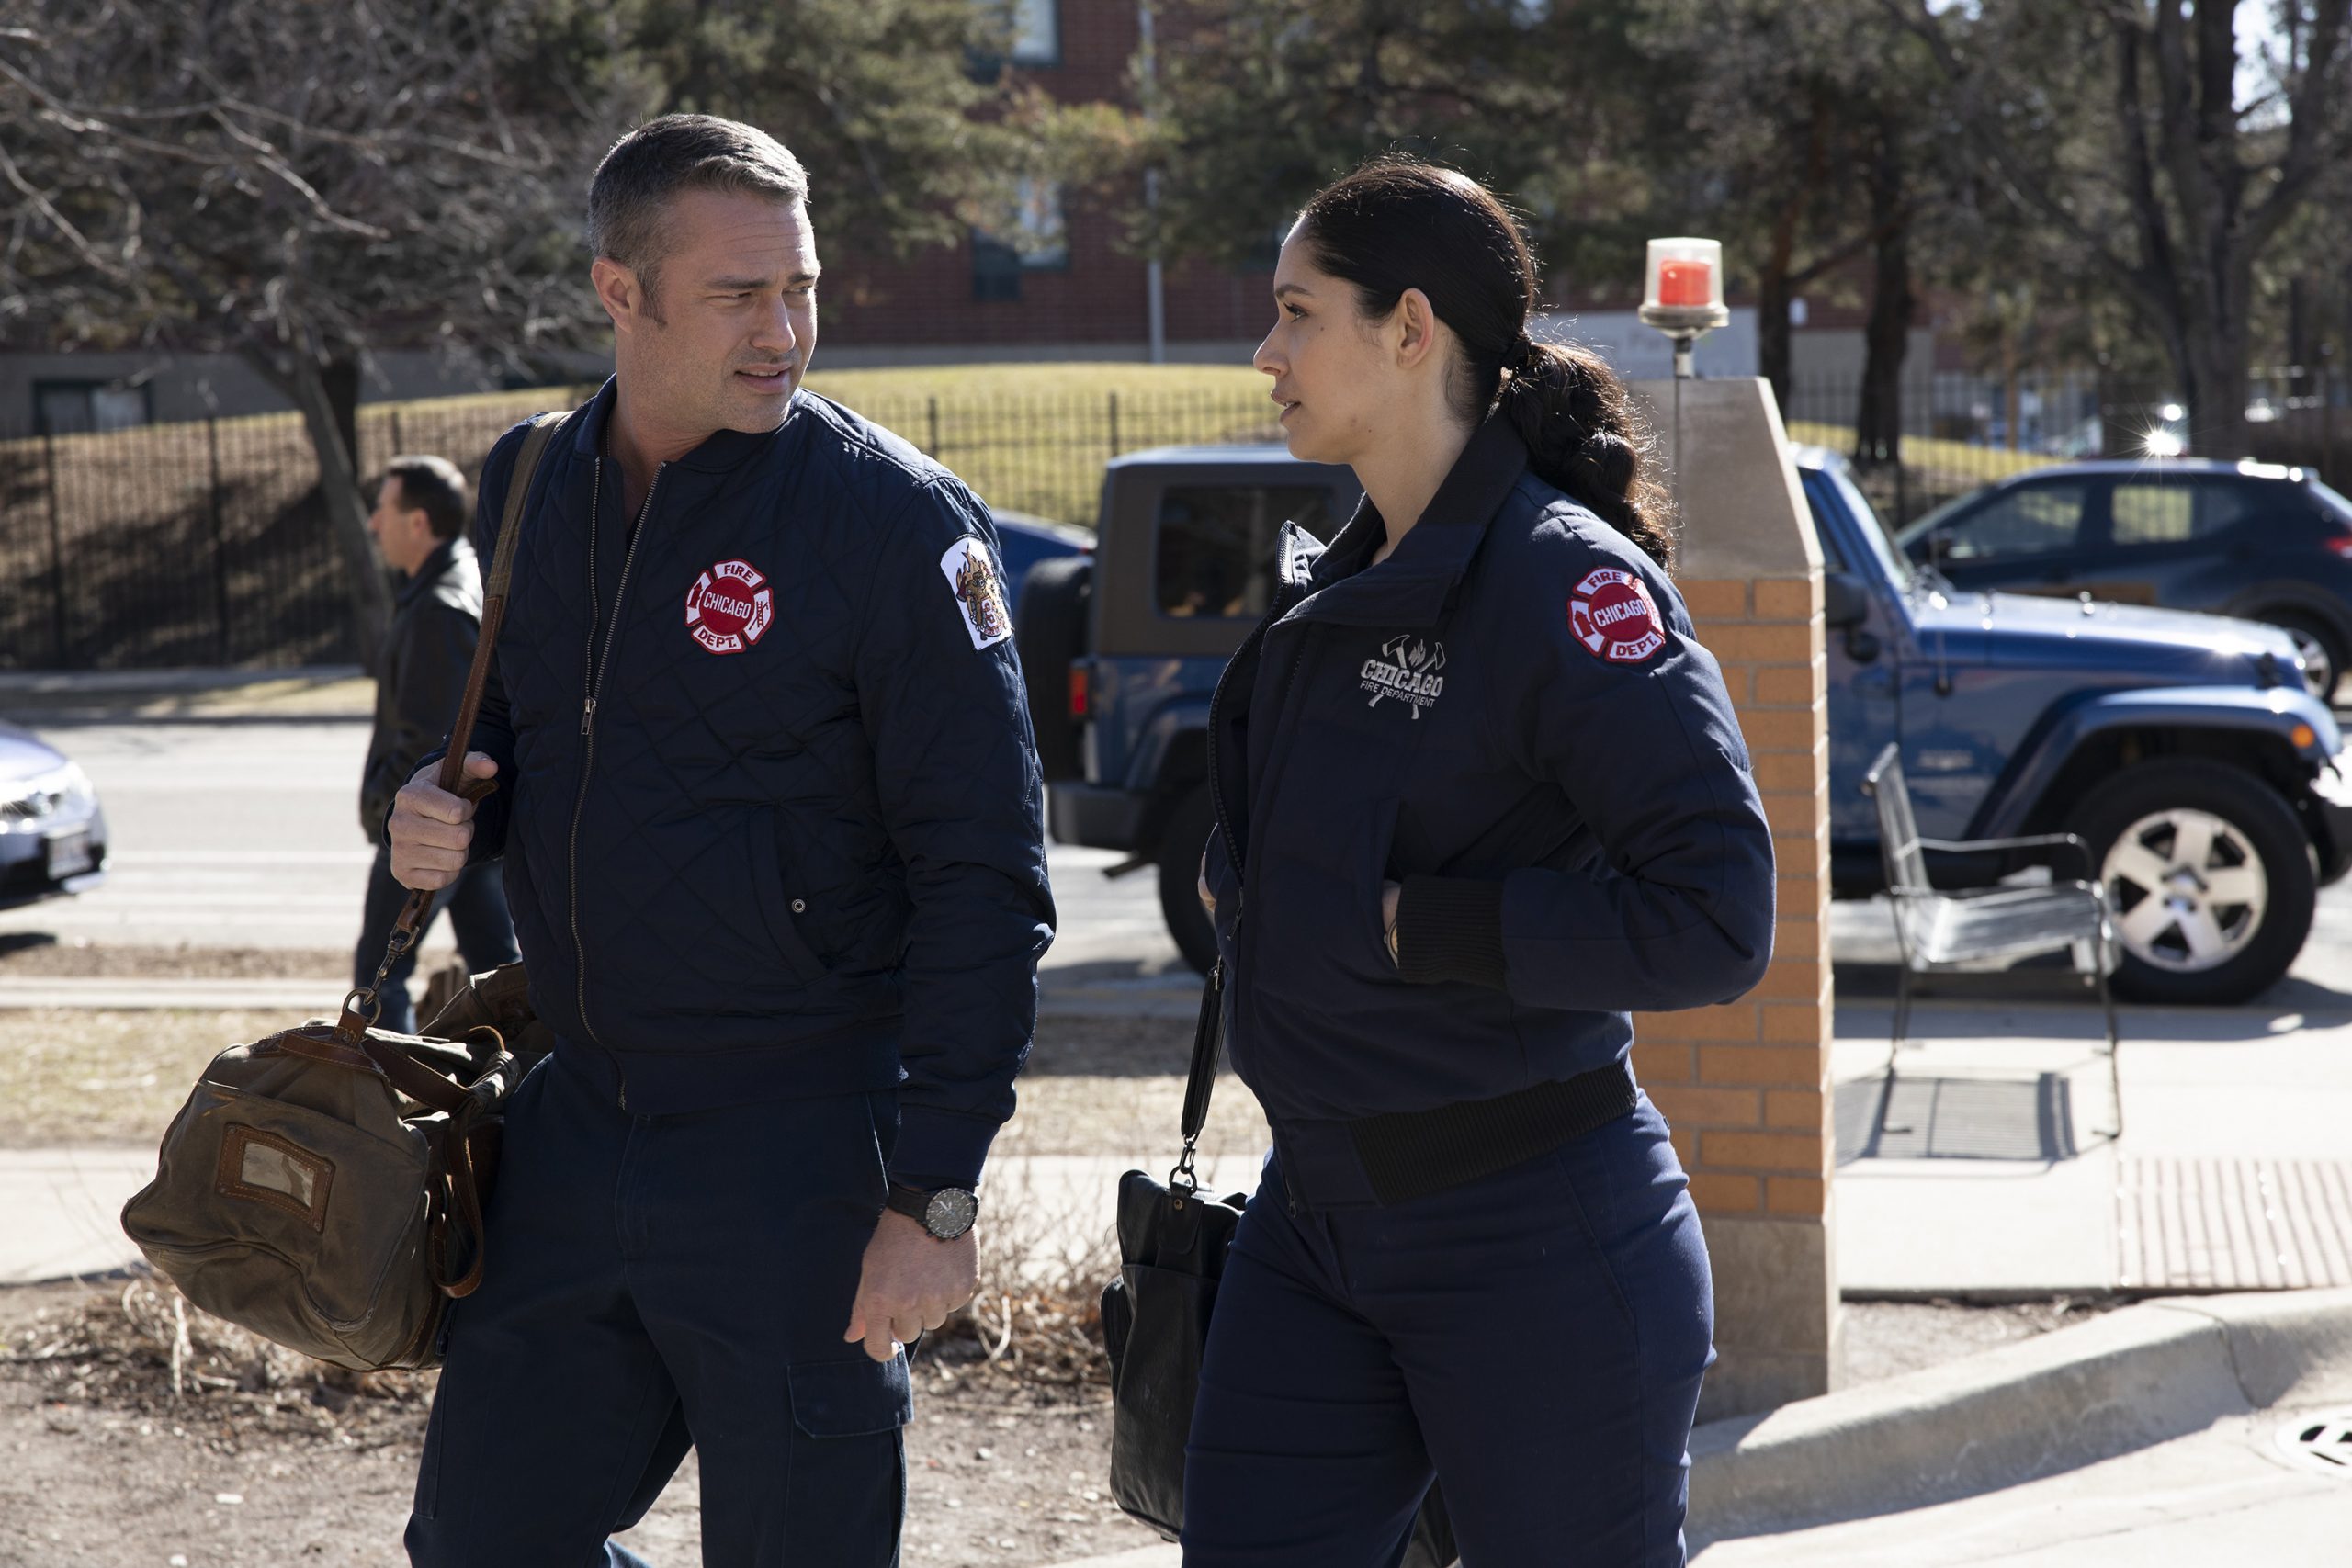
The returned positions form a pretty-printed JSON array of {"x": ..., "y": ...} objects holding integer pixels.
[{"x": 863, "y": 1398}]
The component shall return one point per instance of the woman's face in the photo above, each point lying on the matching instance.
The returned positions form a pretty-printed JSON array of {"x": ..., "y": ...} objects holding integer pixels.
[{"x": 1335, "y": 373}]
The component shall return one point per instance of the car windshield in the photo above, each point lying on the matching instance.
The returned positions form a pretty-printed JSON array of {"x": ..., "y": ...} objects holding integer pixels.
[{"x": 1874, "y": 535}]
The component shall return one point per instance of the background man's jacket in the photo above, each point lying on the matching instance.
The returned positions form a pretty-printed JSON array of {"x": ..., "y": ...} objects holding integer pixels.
[
  {"x": 421, "y": 674},
  {"x": 769, "y": 804}
]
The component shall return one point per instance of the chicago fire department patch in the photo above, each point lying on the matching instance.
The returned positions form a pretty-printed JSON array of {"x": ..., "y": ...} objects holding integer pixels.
[
  {"x": 728, "y": 607},
  {"x": 1613, "y": 615},
  {"x": 978, "y": 588}
]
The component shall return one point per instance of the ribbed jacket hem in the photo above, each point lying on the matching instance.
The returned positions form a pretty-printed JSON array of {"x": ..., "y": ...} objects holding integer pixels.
[{"x": 1450, "y": 928}]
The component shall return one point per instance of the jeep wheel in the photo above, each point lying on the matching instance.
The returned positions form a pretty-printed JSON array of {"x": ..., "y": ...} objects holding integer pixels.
[
  {"x": 1181, "y": 843},
  {"x": 2321, "y": 645},
  {"x": 2211, "y": 880}
]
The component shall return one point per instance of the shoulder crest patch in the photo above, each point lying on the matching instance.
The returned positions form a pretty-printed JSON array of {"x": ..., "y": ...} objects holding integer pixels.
[
  {"x": 978, "y": 587},
  {"x": 1613, "y": 615}
]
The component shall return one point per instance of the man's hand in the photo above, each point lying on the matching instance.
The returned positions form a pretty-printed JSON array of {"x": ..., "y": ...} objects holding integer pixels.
[
  {"x": 910, "y": 1282},
  {"x": 431, "y": 827},
  {"x": 1208, "y": 899}
]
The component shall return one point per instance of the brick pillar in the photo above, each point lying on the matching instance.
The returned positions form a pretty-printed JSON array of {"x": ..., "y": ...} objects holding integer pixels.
[{"x": 1747, "y": 1086}]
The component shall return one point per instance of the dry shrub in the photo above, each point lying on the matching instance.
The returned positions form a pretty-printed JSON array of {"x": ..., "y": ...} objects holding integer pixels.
[
  {"x": 145, "y": 1350},
  {"x": 1038, "y": 1320}
]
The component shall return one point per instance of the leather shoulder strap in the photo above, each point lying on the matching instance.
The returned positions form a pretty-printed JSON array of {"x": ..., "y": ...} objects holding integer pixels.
[{"x": 494, "y": 604}]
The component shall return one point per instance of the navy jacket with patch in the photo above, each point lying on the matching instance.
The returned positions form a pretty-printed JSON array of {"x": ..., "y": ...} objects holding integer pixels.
[
  {"x": 795, "y": 845},
  {"x": 1512, "y": 718}
]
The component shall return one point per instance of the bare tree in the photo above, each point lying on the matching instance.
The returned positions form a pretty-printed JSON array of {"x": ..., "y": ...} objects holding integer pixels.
[
  {"x": 2160, "y": 156},
  {"x": 292, "y": 183}
]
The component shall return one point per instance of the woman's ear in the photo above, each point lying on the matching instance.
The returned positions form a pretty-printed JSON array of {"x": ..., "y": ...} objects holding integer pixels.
[{"x": 1415, "y": 323}]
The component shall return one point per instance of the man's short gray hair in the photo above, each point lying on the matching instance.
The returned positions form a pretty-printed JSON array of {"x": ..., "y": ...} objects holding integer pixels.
[{"x": 652, "y": 164}]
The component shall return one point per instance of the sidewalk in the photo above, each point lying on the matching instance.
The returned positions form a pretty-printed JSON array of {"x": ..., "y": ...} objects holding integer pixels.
[
  {"x": 82, "y": 696},
  {"x": 1987, "y": 1180}
]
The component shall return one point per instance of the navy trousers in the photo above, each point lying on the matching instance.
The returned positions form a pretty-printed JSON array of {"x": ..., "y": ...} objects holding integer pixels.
[
  {"x": 656, "y": 1282},
  {"x": 1535, "y": 1339},
  {"x": 477, "y": 918}
]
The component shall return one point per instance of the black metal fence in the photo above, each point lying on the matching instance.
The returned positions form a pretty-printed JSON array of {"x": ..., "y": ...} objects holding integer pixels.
[{"x": 207, "y": 544}]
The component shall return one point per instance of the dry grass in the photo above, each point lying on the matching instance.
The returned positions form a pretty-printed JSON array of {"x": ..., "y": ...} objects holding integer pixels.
[
  {"x": 68, "y": 1075},
  {"x": 140, "y": 1348}
]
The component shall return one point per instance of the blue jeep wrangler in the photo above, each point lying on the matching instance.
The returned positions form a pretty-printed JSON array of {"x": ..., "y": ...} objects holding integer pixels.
[{"x": 2183, "y": 748}]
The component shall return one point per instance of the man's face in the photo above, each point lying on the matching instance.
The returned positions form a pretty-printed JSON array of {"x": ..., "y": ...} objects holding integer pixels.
[
  {"x": 397, "y": 530},
  {"x": 728, "y": 338}
]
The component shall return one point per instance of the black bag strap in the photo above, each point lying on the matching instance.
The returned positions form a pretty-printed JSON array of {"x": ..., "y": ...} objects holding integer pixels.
[
  {"x": 1209, "y": 1035},
  {"x": 419, "y": 907}
]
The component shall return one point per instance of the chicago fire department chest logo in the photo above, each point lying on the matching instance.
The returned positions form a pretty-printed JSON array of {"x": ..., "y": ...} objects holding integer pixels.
[
  {"x": 1406, "y": 672},
  {"x": 978, "y": 590},
  {"x": 728, "y": 607},
  {"x": 1613, "y": 615}
]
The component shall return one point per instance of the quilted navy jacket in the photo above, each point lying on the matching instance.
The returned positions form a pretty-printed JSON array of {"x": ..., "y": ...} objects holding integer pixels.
[
  {"x": 1512, "y": 718},
  {"x": 770, "y": 807}
]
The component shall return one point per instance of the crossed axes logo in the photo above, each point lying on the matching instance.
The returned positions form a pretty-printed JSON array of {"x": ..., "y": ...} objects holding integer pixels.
[{"x": 1408, "y": 673}]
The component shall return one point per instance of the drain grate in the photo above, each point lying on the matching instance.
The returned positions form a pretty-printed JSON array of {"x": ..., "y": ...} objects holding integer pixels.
[
  {"x": 2234, "y": 1224},
  {"x": 2318, "y": 1440}
]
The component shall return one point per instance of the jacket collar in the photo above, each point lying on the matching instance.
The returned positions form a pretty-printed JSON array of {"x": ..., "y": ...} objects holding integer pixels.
[
  {"x": 430, "y": 569},
  {"x": 1417, "y": 582},
  {"x": 721, "y": 450}
]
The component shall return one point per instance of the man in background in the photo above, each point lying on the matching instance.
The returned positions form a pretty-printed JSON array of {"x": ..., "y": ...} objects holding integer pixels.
[{"x": 420, "y": 518}]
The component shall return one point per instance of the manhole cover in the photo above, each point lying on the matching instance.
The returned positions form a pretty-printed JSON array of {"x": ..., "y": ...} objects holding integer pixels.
[{"x": 2319, "y": 1439}]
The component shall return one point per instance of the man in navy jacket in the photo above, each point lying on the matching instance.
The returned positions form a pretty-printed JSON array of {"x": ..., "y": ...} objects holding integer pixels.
[{"x": 770, "y": 815}]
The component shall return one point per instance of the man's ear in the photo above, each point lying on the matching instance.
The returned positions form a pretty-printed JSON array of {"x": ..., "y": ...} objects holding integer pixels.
[
  {"x": 1416, "y": 322},
  {"x": 618, "y": 292}
]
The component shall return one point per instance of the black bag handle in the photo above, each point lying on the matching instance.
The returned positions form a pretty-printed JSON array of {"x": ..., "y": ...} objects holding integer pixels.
[{"x": 1209, "y": 1035}]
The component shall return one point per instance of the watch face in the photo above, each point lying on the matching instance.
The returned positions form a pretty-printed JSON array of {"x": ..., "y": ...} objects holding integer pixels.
[{"x": 950, "y": 1212}]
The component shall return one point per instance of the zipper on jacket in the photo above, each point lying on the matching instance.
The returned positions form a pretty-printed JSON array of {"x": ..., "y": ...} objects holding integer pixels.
[{"x": 595, "y": 663}]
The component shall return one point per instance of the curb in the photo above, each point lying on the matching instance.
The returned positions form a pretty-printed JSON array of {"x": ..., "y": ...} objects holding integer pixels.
[{"x": 2140, "y": 1376}]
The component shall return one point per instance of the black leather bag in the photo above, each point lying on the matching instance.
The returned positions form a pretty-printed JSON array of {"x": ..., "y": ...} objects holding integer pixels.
[{"x": 1172, "y": 1242}]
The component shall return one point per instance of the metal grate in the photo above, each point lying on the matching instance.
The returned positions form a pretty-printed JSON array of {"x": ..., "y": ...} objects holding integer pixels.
[
  {"x": 2318, "y": 1440},
  {"x": 2234, "y": 1224}
]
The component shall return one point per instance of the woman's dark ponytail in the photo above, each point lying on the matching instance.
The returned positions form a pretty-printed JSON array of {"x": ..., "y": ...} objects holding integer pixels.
[
  {"x": 1396, "y": 224},
  {"x": 1585, "y": 436}
]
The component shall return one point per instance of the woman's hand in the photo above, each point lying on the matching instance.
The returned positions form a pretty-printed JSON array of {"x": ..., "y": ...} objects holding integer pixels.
[{"x": 1208, "y": 899}]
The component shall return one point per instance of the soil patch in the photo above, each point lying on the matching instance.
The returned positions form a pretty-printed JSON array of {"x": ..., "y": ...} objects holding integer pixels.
[{"x": 262, "y": 1457}]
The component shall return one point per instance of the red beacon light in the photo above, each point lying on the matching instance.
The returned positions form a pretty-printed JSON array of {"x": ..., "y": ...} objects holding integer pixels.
[{"x": 1683, "y": 293}]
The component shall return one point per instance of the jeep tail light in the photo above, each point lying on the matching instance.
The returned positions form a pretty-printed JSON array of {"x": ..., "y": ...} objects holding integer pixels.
[
  {"x": 1082, "y": 691},
  {"x": 2339, "y": 543}
]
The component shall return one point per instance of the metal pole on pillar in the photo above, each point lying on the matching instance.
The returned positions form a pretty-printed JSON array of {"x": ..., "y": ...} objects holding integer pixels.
[{"x": 1154, "y": 278}]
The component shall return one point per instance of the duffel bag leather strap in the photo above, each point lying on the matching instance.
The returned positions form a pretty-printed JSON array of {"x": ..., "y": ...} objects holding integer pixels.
[
  {"x": 361, "y": 1007},
  {"x": 363, "y": 1054}
]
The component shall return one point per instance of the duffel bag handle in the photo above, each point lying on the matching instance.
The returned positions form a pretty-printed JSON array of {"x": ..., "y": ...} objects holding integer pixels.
[{"x": 362, "y": 1007}]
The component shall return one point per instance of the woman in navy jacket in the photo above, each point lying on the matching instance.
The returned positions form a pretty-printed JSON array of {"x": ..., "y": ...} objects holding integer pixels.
[{"x": 1480, "y": 796}]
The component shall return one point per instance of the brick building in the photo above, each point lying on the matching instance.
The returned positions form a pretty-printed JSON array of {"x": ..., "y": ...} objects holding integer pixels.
[{"x": 1051, "y": 284}]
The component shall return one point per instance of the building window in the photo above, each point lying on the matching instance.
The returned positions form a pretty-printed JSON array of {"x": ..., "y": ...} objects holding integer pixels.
[
  {"x": 1033, "y": 33},
  {"x": 1031, "y": 237},
  {"x": 76, "y": 408},
  {"x": 1036, "y": 32},
  {"x": 996, "y": 268}
]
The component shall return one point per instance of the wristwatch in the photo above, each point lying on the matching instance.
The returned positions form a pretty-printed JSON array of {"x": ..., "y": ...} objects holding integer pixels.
[{"x": 946, "y": 1213}]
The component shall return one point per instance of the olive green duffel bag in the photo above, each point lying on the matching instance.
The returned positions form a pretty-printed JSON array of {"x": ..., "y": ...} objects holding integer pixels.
[{"x": 324, "y": 1187}]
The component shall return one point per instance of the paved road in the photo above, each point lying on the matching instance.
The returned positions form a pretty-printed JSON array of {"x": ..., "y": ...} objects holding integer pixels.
[{"x": 247, "y": 835}]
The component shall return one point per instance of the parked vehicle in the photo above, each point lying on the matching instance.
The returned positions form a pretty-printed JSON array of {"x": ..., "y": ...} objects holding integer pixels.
[
  {"x": 2211, "y": 786},
  {"x": 52, "y": 832},
  {"x": 1024, "y": 540},
  {"x": 2246, "y": 539}
]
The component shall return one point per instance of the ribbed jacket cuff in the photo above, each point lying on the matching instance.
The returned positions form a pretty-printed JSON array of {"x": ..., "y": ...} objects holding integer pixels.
[
  {"x": 940, "y": 1148},
  {"x": 1450, "y": 928}
]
